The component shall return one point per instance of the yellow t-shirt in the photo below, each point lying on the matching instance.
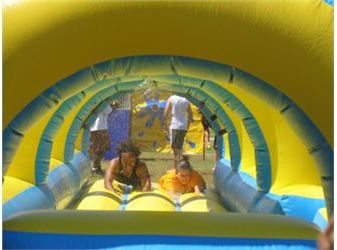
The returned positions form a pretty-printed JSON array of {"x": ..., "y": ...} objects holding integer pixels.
[{"x": 170, "y": 182}]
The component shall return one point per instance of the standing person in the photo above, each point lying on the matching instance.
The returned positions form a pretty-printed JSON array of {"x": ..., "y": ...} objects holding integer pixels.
[
  {"x": 206, "y": 127},
  {"x": 99, "y": 139},
  {"x": 182, "y": 116},
  {"x": 207, "y": 133},
  {"x": 128, "y": 169},
  {"x": 216, "y": 148}
]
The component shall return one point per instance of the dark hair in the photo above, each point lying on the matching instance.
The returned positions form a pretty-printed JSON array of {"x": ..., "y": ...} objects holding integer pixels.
[
  {"x": 183, "y": 163},
  {"x": 128, "y": 147}
]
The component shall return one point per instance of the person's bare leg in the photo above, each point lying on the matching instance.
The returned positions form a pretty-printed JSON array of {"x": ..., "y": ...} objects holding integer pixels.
[
  {"x": 180, "y": 154},
  {"x": 177, "y": 154},
  {"x": 207, "y": 138},
  {"x": 96, "y": 162},
  {"x": 217, "y": 155},
  {"x": 97, "y": 167}
]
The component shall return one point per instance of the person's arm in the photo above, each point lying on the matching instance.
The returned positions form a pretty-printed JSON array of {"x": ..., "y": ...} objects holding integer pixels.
[
  {"x": 167, "y": 183},
  {"x": 167, "y": 111},
  {"x": 325, "y": 239},
  {"x": 200, "y": 183},
  {"x": 144, "y": 176},
  {"x": 199, "y": 188},
  {"x": 110, "y": 175},
  {"x": 107, "y": 110},
  {"x": 189, "y": 115}
]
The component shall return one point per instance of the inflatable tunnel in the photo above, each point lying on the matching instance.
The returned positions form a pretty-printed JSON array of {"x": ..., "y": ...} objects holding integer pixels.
[{"x": 260, "y": 71}]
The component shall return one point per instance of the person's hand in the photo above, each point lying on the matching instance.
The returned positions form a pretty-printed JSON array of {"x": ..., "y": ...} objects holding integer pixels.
[
  {"x": 127, "y": 189},
  {"x": 114, "y": 105},
  {"x": 111, "y": 189},
  {"x": 165, "y": 128},
  {"x": 325, "y": 239},
  {"x": 324, "y": 242},
  {"x": 176, "y": 196}
]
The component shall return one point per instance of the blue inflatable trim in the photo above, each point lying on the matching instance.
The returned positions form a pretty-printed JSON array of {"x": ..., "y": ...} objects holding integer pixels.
[
  {"x": 239, "y": 193},
  {"x": 66, "y": 180},
  {"x": 239, "y": 196},
  {"x": 331, "y": 2},
  {"x": 320, "y": 221},
  {"x": 42, "y": 159},
  {"x": 24, "y": 240},
  {"x": 36, "y": 197}
]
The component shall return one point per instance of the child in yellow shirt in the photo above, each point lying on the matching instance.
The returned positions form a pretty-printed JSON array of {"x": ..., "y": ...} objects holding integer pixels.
[{"x": 182, "y": 179}]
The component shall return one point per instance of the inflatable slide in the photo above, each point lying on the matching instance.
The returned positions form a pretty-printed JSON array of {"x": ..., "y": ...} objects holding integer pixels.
[{"x": 261, "y": 71}]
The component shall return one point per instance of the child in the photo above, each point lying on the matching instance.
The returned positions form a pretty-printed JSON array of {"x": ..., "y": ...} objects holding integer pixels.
[{"x": 182, "y": 179}]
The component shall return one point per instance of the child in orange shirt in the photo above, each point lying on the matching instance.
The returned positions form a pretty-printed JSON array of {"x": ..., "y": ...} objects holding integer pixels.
[{"x": 182, "y": 179}]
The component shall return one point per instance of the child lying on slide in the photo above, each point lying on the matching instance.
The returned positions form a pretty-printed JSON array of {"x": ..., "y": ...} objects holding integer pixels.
[{"x": 182, "y": 179}]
